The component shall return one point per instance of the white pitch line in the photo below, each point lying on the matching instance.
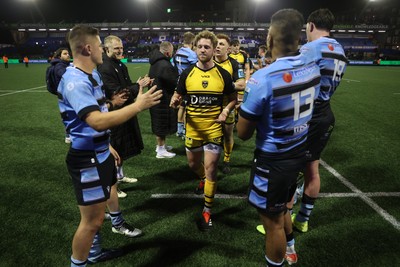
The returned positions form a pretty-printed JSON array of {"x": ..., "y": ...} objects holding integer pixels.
[
  {"x": 188, "y": 196},
  {"x": 392, "y": 220},
  {"x": 322, "y": 195},
  {"x": 350, "y": 80},
  {"x": 369, "y": 194},
  {"x": 23, "y": 91}
]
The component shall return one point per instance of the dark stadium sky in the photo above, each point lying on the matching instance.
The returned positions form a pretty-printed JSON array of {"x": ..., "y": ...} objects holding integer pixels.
[{"x": 134, "y": 10}]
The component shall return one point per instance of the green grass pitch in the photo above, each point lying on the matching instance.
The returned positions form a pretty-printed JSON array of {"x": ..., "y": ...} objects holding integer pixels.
[{"x": 356, "y": 222}]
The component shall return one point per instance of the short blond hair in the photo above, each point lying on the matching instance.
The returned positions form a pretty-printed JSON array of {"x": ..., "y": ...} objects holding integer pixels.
[
  {"x": 206, "y": 35},
  {"x": 165, "y": 46},
  {"x": 109, "y": 39}
]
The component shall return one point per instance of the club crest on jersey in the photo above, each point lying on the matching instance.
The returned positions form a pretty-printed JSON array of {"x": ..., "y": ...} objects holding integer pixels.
[
  {"x": 330, "y": 47},
  {"x": 204, "y": 84}
]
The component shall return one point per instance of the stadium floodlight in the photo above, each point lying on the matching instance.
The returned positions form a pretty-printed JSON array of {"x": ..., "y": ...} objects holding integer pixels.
[{"x": 169, "y": 10}]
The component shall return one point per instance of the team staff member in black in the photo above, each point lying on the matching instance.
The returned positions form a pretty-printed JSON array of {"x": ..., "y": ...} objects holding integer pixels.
[
  {"x": 125, "y": 138},
  {"x": 163, "y": 117}
]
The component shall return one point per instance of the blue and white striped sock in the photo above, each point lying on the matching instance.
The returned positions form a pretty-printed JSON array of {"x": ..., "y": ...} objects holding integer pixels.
[
  {"x": 95, "y": 249},
  {"x": 116, "y": 218}
]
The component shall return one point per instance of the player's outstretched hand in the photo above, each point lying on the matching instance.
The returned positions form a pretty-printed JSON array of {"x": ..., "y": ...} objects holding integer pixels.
[
  {"x": 148, "y": 99},
  {"x": 176, "y": 99}
]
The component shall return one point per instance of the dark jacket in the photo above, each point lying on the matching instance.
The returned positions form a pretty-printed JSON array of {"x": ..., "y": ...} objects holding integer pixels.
[
  {"x": 125, "y": 138},
  {"x": 163, "y": 118},
  {"x": 60, "y": 66}
]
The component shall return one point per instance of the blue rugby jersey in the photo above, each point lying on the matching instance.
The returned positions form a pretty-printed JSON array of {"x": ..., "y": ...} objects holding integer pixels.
[
  {"x": 79, "y": 94},
  {"x": 183, "y": 58},
  {"x": 331, "y": 59},
  {"x": 280, "y": 98}
]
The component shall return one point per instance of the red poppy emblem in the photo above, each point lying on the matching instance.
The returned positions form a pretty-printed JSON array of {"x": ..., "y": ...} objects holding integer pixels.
[{"x": 287, "y": 77}]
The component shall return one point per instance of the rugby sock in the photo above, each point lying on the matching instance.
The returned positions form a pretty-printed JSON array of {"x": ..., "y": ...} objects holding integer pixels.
[
  {"x": 306, "y": 207},
  {"x": 273, "y": 264},
  {"x": 77, "y": 263},
  {"x": 209, "y": 192},
  {"x": 116, "y": 218},
  {"x": 120, "y": 172},
  {"x": 95, "y": 249},
  {"x": 290, "y": 240},
  {"x": 228, "y": 147}
]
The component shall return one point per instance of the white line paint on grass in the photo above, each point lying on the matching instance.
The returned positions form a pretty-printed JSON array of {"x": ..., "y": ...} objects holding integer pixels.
[
  {"x": 189, "y": 196},
  {"x": 350, "y": 80},
  {"x": 368, "y": 194},
  {"x": 23, "y": 91},
  {"x": 323, "y": 195},
  {"x": 365, "y": 196},
  {"x": 392, "y": 220}
]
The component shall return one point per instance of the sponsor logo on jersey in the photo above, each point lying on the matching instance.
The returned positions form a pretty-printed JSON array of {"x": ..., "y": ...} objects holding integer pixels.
[
  {"x": 201, "y": 100},
  {"x": 252, "y": 81}
]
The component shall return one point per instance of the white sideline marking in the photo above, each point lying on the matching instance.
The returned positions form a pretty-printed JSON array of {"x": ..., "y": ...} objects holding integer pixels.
[
  {"x": 392, "y": 220},
  {"x": 323, "y": 195},
  {"x": 219, "y": 196},
  {"x": 350, "y": 80},
  {"x": 23, "y": 91}
]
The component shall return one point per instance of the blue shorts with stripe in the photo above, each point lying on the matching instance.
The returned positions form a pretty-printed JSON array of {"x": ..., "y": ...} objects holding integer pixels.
[
  {"x": 92, "y": 173},
  {"x": 273, "y": 180}
]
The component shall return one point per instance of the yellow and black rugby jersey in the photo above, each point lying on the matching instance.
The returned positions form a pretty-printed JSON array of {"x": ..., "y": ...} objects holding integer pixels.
[
  {"x": 231, "y": 66},
  {"x": 240, "y": 57},
  {"x": 205, "y": 90}
]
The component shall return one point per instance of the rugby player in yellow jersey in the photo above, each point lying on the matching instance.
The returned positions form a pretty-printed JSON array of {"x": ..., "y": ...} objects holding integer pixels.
[
  {"x": 205, "y": 84},
  {"x": 244, "y": 70},
  {"x": 241, "y": 57},
  {"x": 232, "y": 66}
]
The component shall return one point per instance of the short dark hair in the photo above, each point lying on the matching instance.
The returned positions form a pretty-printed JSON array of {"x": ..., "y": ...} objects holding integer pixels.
[
  {"x": 235, "y": 42},
  {"x": 287, "y": 25},
  {"x": 322, "y": 18}
]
